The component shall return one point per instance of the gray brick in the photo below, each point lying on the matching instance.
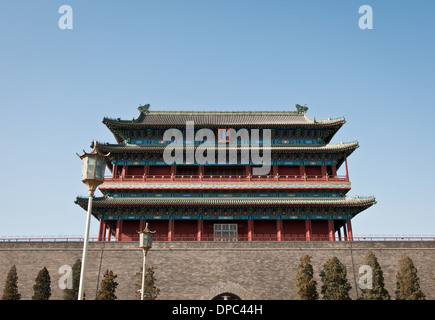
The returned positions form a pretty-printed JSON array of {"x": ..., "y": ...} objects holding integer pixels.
[{"x": 201, "y": 270}]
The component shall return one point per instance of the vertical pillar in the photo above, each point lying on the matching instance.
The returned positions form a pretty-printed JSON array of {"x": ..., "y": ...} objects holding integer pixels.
[
  {"x": 119, "y": 230},
  {"x": 279, "y": 234},
  {"x": 141, "y": 224},
  {"x": 302, "y": 170},
  {"x": 201, "y": 172},
  {"x": 250, "y": 229},
  {"x": 104, "y": 231},
  {"x": 200, "y": 229},
  {"x": 344, "y": 232},
  {"x": 274, "y": 169},
  {"x": 100, "y": 230},
  {"x": 114, "y": 168},
  {"x": 109, "y": 233},
  {"x": 124, "y": 170},
  {"x": 308, "y": 230},
  {"x": 339, "y": 234},
  {"x": 324, "y": 171},
  {"x": 171, "y": 230},
  {"x": 334, "y": 171},
  {"x": 331, "y": 230},
  {"x": 347, "y": 171},
  {"x": 248, "y": 171},
  {"x": 349, "y": 230}
]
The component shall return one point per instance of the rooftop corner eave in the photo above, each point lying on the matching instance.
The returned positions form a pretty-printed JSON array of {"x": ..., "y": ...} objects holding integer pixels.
[{"x": 118, "y": 138}]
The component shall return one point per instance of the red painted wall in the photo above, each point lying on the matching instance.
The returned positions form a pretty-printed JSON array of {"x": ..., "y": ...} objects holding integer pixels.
[
  {"x": 288, "y": 170},
  {"x": 294, "y": 229},
  {"x": 129, "y": 230},
  {"x": 313, "y": 170},
  {"x": 320, "y": 229},
  {"x": 161, "y": 227},
  {"x": 131, "y": 227},
  {"x": 265, "y": 227},
  {"x": 186, "y": 227},
  {"x": 160, "y": 170},
  {"x": 135, "y": 170}
]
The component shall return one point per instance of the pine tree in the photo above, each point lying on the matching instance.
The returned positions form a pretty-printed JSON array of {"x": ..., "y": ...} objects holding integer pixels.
[
  {"x": 378, "y": 291},
  {"x": 334, "y": 277},
  {"x": 151, "y": 291},
  {"x": 408, "y": 283},
  {"x": 41, "y": 289},
  {"x": 73, "y": 293},
  {"x": 305, "y": 282},
  {"x": 107, "y": 287},
  {"x": 10, "y": 291}
]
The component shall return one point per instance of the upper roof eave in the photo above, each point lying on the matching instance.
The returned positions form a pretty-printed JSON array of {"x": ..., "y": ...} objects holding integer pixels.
[
  {"x": 323, "y": 148},
  {"x": 345, "y": 201},
  {"x": 114, "y": 123}
]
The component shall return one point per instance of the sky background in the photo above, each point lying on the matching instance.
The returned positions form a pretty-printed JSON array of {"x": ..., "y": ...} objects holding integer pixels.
[{"x": 57, "y": 85}]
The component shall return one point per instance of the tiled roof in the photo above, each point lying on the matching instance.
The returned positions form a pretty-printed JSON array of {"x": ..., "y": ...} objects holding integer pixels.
[
  {"x": 224, "y": 118},
  {"x": 284, "y": 147},
  {"x": 344, "y": 201}
]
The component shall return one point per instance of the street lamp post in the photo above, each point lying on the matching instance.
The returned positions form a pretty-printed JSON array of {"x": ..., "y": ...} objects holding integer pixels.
[
  {"x": 145, "y": 242},
  {"x": 93, "y": 166}
]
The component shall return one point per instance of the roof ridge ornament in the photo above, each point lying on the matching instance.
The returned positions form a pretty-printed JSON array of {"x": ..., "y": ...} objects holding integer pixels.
[
  {"x": 144, "y": 109},
  {"x": 301, "y": 109}
]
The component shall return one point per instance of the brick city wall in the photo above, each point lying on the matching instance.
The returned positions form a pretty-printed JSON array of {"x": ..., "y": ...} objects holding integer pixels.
[{"x": 202, "y": 270}]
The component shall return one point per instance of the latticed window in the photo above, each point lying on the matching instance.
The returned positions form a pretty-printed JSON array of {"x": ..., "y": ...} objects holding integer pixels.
[{"x": 225, "y": 232}]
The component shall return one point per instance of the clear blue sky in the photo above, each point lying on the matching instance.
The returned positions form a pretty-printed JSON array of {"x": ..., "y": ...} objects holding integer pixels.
[{"x": 57, "y": 85}]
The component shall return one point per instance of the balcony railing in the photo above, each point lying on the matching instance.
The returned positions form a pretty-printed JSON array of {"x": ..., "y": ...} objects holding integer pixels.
[
  {"x": 216, "y": 178},
  {"x": 210, "y": 237}
]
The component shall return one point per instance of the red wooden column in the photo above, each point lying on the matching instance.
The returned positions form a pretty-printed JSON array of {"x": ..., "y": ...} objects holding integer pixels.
[
  {"x": 279, "y": 229},
  {"x": 173, "y": 171},
  {"x": 347, "y": 171},
  {"x": 250, "y": 229},
  {"x": 331, "y": 230},
  {"x": 344, "y": 232},
  {"x": 100, "y": 230},
  {"x": 103, "y": 237},
  {"x": 302, "y": 170},
  {"x": 109, "y": 233},
  {"x": 119, "y": 230},
  {"x": 200, "y": 230},
  {"x": 275, "y": 170},
  {"x": 141, "y": 224},
  {"x": 114, "y": 171},
  {"x": 324, "y": 171},
  {"x": 308, "y": 229},
  {"x": 171, "y": 230},
  {"x": 349, "y": 230},
  {"x": 201, "y": 172},
  {"x": 334, "y": 171}
]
